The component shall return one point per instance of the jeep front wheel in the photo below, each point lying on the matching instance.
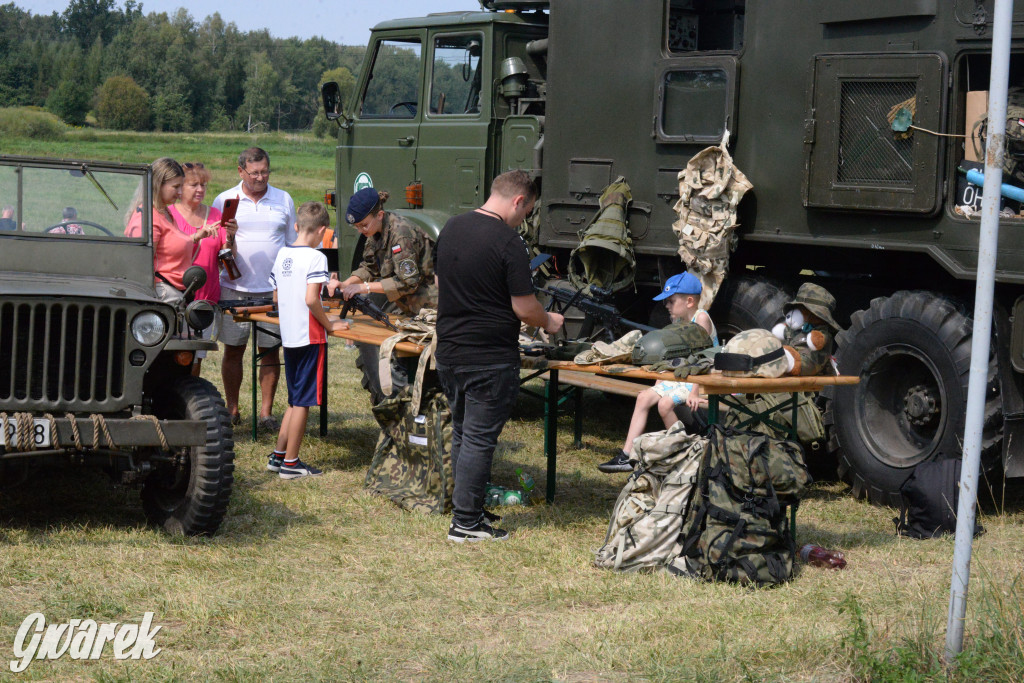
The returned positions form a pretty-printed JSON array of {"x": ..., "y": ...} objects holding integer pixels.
[
  {"x": 191, "y": 497},
  {"x": 912, "y": 353}
]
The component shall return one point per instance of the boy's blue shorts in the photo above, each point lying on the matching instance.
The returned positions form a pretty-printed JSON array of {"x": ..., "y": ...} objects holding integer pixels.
[{"x": 303, "y": 370}]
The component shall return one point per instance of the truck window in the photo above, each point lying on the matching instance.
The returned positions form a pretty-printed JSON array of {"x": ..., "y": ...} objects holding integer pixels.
[
  {"x": 705, "y": 25},
  {"x": 393, "y": 88},
  {"x": 455, "y": 74},
  {"x": 694, "y": 103}
]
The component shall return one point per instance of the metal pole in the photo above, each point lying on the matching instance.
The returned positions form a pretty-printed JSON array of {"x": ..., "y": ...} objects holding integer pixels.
[{"x": 1002, "y": 21}]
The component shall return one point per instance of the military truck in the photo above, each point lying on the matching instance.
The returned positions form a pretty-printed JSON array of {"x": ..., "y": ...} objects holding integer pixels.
[
  {"x": 94, "y": 368},
  {"x": 583, "y": 91}
]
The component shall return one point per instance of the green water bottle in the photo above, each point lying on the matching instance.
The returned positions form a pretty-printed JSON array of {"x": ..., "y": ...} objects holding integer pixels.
[
  {"x": 525, "y": 481},
  {"x": 512, "y": 497}
]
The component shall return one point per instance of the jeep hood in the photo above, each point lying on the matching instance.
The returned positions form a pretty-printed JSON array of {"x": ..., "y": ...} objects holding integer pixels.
[{"x": 25, "y": 284}]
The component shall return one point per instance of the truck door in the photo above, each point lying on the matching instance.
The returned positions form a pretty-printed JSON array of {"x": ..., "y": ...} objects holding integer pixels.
[
  {"x": 453, "y": 135},
  {"x": 381, "y": 149}
]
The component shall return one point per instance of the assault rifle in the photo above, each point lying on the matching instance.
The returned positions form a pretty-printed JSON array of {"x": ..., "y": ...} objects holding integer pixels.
[
  {"x": 364, "y": 305},
  {"x": 594, "y": 305},
  {"x": 253, "y": 302}
]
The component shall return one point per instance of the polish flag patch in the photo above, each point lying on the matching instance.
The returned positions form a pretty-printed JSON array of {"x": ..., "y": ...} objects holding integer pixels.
[{"x": 397, "y": 249}]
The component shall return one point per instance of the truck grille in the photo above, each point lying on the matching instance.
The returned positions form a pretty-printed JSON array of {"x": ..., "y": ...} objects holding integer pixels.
[{"x": 62, "y": 355}]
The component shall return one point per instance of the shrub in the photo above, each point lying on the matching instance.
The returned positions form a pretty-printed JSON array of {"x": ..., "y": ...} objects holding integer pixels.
[
  {"x": 122, "y": 104},
  {"x": 30, "y": 122},
  {"x": 70, "y": 101}
]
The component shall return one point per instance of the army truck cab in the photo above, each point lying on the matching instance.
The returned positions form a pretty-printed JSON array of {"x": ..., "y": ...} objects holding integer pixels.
[
  {"x": 94, "y": 368},
  {"x": 852, "y": 120}
]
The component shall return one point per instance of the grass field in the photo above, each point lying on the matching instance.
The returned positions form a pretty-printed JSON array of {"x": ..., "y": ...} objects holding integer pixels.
[{"x": 317, "y": 580}]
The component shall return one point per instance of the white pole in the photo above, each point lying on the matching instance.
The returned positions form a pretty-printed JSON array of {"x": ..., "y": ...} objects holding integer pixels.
[{"x": 1002, "y": 22}]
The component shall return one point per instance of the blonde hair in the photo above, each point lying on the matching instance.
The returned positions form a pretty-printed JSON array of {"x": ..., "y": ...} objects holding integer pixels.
[
  {"x": 165, "y": 169},
  {"x": 196, "y": 169},
  {"x": 312, "y": 215}
]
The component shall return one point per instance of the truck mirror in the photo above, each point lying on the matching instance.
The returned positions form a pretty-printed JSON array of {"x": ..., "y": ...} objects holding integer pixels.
[
  {"x": 331, "y": 94},
  {"x": 193, "y": 279}
]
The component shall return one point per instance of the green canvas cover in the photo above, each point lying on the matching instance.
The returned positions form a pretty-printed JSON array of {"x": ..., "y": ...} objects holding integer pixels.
[
  {"x": 412, "y": 462},
  {"x": 605, "y": 256}
]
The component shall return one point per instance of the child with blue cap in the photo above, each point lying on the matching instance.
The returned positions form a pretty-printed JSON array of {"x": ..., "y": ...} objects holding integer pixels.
[{"x": 681, "y": 294}]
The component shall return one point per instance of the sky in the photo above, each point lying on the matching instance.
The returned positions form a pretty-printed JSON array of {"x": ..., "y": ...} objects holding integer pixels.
[{"x": 343, "y": 21}]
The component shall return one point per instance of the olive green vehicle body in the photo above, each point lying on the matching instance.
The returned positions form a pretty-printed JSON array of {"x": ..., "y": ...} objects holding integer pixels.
[
  {"x": 635, "y": 89},
  {"x": 73, "y": 293}
]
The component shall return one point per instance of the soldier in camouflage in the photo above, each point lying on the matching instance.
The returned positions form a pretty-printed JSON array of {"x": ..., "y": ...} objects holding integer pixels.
[{"x": 397, "y": 262}]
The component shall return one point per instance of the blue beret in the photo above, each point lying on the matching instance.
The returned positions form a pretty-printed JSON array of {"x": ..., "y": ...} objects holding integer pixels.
[
  {"x": 361, "y": 204},
  {"x": 684, "y": 283}
]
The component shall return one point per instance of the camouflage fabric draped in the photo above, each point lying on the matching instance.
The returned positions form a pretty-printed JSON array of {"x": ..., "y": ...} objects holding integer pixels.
[
  {"x": 710, "y": 188},
  {"x": 605, "y": 256},
  {"x": 412, "y": 462}
]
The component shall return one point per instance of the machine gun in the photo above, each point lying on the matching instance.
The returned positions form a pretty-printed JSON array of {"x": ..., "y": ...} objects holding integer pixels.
[
  {"x": 263, "y": 302},
  {"x": 364, "y": 305},
  {"x": 595, "y": 305}
]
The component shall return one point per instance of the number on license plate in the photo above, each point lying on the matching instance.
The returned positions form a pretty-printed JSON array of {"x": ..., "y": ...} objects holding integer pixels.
[{"x": 40, "y": 432}]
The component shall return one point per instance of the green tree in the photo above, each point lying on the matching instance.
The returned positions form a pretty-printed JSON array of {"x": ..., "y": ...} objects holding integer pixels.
[
  {"x": 70, "y": 101},
  {"x": 122, "y": 104},
  {"x": 171, "y": 111},
  {"x": 262, "y": 88}
]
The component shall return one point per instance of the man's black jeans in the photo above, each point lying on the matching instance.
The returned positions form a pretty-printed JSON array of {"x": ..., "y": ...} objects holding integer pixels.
[{"x": 481, "y": 399}]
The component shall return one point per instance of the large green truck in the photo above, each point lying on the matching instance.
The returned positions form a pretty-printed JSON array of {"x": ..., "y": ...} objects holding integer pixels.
[{"x": 583, "y": 91}]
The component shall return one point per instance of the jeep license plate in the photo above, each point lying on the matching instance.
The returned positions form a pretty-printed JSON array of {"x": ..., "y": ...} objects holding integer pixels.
[{"x": 40, "y": 432}]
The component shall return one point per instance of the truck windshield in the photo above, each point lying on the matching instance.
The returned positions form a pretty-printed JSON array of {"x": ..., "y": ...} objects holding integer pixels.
[
  {"x": 72, "y": 202},
  {"x": 393, "y": 89}
]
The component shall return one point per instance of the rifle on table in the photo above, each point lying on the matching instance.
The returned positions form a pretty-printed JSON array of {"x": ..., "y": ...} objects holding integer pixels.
[
  {"x": 594, "y": 305},
  {"x": 364, "y": 305},
  {"x": 262, "y": 302}
]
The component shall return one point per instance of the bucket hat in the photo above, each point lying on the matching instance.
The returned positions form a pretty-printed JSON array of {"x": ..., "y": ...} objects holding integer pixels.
[
  {"x": 684, "y": 283},
  {"x": 818, "y": 301}
]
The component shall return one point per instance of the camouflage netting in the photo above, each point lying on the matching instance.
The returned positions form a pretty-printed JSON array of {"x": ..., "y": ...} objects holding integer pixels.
[
  {"x": 605, "y": 254},
  {"x": 710, "y": 188}
]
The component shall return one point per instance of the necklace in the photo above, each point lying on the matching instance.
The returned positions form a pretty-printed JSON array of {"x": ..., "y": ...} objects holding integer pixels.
[{"x": 493, "y": 213}]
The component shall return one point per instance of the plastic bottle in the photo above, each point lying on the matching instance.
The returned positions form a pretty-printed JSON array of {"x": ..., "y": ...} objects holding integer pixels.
[
  {"x": 525, "y": 481},
  {"x": 817, "y": 556},
  {"x": 512, "y": 497}
]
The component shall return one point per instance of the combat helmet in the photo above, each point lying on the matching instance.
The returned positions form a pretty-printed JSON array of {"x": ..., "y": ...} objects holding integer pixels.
[
  {"x": 752, "y": 353},
  {"x": 675, "y": 341}
]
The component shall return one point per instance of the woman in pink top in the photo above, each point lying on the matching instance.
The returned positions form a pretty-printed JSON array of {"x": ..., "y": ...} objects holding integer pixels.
[
  {"x": 192, "y": 216},
  {"x": 173, "y": 250}
]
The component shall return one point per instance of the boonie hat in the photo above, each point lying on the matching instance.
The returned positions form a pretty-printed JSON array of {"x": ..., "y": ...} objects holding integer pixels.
[
  {"x": 684, "y": 283},
  {"x": 753, "y": 353},
  {"x": 818, "y": 301},
  {"x": 361, "y": 204}
]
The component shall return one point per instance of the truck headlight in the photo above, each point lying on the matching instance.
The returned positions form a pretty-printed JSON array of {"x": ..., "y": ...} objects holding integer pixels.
[{"x": 148, "y": 328}]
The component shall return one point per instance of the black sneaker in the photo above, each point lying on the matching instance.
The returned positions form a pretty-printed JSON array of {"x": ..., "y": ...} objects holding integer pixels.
[
  {"x": 274, "y": 462},
  {"x": 299, "y": 469},
  {"x": 618, "y": 463},
  {"x": 481, "y": 531},
  {"x": 491, "y": 517}
]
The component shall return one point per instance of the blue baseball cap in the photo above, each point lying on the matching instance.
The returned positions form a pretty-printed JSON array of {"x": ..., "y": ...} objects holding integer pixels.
[
  {"x": 361, "y": 204},
  {"x": 684, "y": 283}
]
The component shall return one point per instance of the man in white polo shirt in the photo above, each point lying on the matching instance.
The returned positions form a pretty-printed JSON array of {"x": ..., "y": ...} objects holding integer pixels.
[{"x": 266, "y": 222}]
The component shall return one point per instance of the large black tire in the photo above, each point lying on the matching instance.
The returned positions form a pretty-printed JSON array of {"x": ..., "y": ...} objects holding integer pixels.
[
  {"x": 745, "y": 303},
  {"x": 192, "y": 500},
  {"x": 912, "y": 353}
]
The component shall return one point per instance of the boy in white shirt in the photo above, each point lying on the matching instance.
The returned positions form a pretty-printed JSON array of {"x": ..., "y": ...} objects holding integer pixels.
[{"x": 296, "y": 278}]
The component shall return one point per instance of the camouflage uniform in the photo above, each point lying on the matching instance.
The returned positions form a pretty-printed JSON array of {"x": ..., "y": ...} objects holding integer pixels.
[{"x": 399, "y": 257}]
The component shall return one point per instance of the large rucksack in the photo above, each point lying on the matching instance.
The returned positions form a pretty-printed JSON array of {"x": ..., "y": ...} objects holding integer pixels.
[
  {"x": 737, "y": 527},
  {"x": 930, "y": 498},
  {"x": 648, "y": 515},
  {"x": 412, "y": 463},
  {"x": 1013, "y": 153}
]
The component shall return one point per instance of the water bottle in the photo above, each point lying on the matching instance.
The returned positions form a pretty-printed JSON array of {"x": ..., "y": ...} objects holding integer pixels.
[
  {"x": 512, "y": 497},
  {"x": 525, "y": 481},
  {"x": 493, "y": 495},
  {"x": 817, "y": 556}
]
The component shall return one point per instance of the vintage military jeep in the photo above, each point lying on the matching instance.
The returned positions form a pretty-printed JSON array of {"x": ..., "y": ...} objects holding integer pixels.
[{"x": 94, "y": 368}]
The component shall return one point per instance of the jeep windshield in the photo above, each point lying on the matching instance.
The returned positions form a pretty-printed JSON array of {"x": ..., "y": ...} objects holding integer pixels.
[{"x": 71, "y": 200}]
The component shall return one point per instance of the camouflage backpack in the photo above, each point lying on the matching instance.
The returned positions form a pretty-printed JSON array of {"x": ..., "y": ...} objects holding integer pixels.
[
  {"x": 736, "y": 529},
  {"x": 605, "y": 256},
  {"x": 1013, "y": 151},
  {"x": 412, "y": 463},
  {"x": 810, "y": 429},
  {"x": 644, "y": 531}
]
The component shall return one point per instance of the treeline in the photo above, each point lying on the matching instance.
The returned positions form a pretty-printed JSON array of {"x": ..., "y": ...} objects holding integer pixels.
[{"x": 135, "y": 71}]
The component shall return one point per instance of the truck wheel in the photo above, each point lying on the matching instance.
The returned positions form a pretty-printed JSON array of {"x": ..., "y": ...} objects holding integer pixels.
[
  {"x": 192, "y": 500},
  {"x": 746, "y": 303},
  {"x": 912, "y": 353}
]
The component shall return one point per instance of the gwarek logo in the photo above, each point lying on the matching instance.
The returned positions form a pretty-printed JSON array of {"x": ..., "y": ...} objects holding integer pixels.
[{"x": 82, "y": 639}]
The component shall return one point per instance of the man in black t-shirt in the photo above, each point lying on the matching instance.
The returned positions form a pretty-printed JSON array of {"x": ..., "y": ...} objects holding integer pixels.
[{"x": 485, "y": 290}]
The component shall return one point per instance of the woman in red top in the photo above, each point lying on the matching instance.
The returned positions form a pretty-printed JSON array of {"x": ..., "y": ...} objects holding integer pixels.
[
  {"x": 173, "y": 250},
  {"x": 192, "y": 216}
]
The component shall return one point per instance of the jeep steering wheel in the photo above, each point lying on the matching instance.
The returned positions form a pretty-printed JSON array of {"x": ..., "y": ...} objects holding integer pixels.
[
  {"x": 411, "y": 106},
  {"x": 65, "y": 224}
]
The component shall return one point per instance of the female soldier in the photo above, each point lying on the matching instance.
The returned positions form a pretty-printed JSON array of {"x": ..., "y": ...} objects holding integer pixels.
[{"x": 397, "y": 262}]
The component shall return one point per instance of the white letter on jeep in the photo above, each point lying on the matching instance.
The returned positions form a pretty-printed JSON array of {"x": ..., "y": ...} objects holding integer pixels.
[{"x": 20, "y": 651}]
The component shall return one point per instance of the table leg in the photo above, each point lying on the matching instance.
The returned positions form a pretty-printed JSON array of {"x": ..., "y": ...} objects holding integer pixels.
[
  {"x": 255, "y": 378},
  {"x": 577, "y": 421},
  {"x": 551, "y": 430},
  {"x": 323, "y": 393},
  {"x": 713, "y": 409}
]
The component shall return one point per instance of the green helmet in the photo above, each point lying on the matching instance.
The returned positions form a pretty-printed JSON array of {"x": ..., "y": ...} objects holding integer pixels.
[
  {"x": 675, "y": 341},
  {"x": 752, "y": 353}
]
